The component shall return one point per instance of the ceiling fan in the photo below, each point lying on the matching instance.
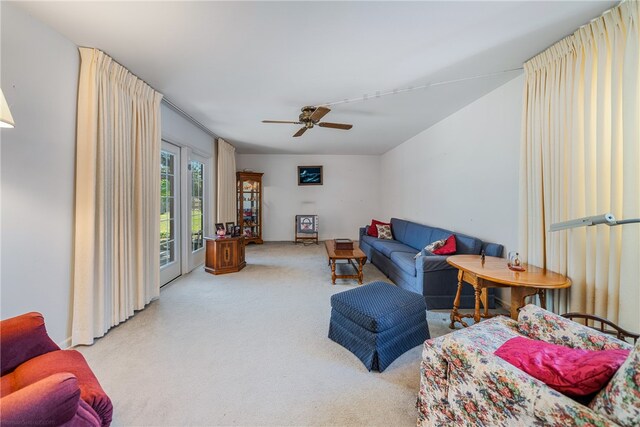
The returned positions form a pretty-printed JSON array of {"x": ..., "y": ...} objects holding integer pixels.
[{"x": 310, "y": 117}]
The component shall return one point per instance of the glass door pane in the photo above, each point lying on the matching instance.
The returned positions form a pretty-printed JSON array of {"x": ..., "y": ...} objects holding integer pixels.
[
  {"x": 169, "y": 213},
  {"x": 197, "y": 206}
]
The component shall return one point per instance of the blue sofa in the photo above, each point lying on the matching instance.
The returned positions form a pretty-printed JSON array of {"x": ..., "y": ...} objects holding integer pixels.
[{"x": 429, "y": 274}]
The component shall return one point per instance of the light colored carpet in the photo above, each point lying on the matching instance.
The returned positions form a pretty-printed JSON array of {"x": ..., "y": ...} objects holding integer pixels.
[{"x": 251, "y": 348}]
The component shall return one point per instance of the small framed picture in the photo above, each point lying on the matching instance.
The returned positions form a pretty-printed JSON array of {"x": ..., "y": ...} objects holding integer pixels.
[
  {"x": 220, "y": 228},
  {"x": 229, "y": 228},
  {"x": 236, "y": 230},
  {"x": 309, "y": 175}
]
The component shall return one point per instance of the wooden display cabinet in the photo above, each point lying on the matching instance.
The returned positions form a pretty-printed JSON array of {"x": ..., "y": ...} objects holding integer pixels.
[
  {"x": 249, "y": 191},
  {"x": 224, "y": 255}
]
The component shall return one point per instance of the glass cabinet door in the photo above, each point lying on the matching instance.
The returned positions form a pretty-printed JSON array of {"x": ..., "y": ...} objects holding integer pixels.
[{"x": 250, "y": 205}]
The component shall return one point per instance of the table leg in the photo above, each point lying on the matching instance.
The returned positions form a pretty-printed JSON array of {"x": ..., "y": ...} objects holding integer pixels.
[
  {"x": 455, "y": 317},
  {"x": 484, "y": 298},
  {"x": 518, "y": 294},
  {"x": 476, "y": 313},
  {"x": 543, "y": 298},
  {"x": 360, "y": 275},
  {"x": 333, "y": 271}
]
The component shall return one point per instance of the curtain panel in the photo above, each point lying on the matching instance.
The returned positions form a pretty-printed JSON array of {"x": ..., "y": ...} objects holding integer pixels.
[
  {"x": 116, "y": 242},
  {"x": 226, "y": 182},
  {"x": 580, "y": 156}
]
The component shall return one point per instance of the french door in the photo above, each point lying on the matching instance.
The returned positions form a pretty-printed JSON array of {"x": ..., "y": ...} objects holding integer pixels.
[
  {"x": 196, "y": 210},
  {"x": 183, "y": 210},
  {"x": 170, "y": 236}
]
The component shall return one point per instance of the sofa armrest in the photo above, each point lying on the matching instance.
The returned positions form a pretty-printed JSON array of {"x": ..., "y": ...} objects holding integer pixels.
[
  {"x": 51, "y": 401},
  {"x": 540, "y": 324},
  {"x": 22, "y": 338},
  {"x": 502, "y": 394},
  {"x": 363, "y": 231},
  {"x": 426, "y": 263}
]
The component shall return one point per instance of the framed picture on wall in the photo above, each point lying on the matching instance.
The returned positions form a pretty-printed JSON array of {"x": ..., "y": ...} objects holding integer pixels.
[{"x": 309, "y": 175}]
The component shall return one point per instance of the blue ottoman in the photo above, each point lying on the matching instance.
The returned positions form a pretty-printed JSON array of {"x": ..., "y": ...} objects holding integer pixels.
[{"x": 378, "y": 322}]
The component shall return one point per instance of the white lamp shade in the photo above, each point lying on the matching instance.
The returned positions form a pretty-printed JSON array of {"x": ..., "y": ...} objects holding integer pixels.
[{"x": 6, "y": 120}]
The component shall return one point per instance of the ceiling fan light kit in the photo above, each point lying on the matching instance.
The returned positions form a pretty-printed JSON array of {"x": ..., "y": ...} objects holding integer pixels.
[{"x": 310, "y": 117}]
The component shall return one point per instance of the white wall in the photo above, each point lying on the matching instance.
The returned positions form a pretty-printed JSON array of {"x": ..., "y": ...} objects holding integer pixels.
[
  {"x": 39, "y": 70},
  {"x": 180, "y": 131},
  {"x": 348, "y": 198},
  {"x": 462, "y": 173},
  {"x": 40, "y": 81}
]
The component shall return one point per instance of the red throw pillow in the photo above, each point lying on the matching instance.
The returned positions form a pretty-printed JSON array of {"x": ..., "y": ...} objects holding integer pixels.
[
  {"x": 448, "y": 248},
  {"x": 373, "y": 230},
  {"x": 571, "y": 371}
]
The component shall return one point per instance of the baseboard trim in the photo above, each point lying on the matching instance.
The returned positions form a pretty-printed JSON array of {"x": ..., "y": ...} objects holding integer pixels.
[
  {"x": 65, "y": 344},
  {"x": 503, "y": 303}
]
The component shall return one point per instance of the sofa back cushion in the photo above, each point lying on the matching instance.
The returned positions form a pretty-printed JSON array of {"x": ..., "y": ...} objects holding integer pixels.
[
  {"x": 417, "y": 235},
  {"x": 467, "y": 245},
  {"x": 22, "y": 338},
  {"x": 618, "y": 401},
  {"x": 399, "y": 228},
  {"x": 492, "y": 249}
]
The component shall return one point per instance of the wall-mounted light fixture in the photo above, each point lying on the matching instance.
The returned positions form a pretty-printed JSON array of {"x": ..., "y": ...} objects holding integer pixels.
[
  {"x": 607, "y": 218},
  {"x": 6, "y": 119}
]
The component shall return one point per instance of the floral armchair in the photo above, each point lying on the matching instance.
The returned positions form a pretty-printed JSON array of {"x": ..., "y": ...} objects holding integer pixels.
[{"x": 464, "y": 383}]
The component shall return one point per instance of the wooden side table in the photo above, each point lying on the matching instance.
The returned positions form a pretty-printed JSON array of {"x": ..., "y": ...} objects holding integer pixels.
[
  {"x": 494, "y": 273},
  {"x": 224, "y": 255}
]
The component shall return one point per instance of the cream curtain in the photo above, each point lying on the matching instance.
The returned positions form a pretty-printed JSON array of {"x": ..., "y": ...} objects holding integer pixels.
[
  {"x": 580, "y": 156},
  {"x": 226, "y": 182},
  {"x": 116, "y": 253}
]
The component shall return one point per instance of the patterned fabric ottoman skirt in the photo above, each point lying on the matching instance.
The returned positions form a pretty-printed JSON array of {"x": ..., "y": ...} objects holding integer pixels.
[{"x": 378, "y": 322}]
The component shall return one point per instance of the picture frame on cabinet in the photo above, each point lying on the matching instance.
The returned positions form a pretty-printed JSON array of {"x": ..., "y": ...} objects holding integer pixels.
[{"x": 229, "y": 228}]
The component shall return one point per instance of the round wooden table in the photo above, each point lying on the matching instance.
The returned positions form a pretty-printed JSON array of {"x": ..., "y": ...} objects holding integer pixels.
[{"x": 494, "y": 273}]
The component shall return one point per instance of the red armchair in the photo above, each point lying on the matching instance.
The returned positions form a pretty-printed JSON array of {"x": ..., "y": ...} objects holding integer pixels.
[{"x": 43, "y": 385}]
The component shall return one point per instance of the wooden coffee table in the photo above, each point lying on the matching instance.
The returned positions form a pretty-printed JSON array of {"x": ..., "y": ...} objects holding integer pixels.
[
  {"x": 351, "y": 256},
  {"x": 494, "y": 273}
]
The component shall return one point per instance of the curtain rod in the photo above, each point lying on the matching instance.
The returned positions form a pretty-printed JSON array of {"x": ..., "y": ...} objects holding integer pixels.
[
  {"x": 166, "y": 100},
  {"x": 184, "y": 114},
  {"x": 379, "y": 94}
]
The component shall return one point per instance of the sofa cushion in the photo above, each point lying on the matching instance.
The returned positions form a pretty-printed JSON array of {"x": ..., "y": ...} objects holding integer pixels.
[
  {"x": 23, "y": 337},
  {"x": 433, "y": 263},
  {"x": 492, "y": 249},
  {"x": 384, "y": 231},
  {"x": 368, "y": 239},
  {"x": 416, "y": 235},
  {"x": 386, "y": 247},
  {"x": 405, "y": 260},
  {"x": 448, "y": 248},
  {"x": 67, "y": 361},
  {"x": 571, "y": 371},
  {"x": 618, "y": 401},
  {"x": 372, "y": 230},
  {"x": 467, "y": 245},
  {"x": 537, "y": 323},
  {"x": 399, "y": 228}
]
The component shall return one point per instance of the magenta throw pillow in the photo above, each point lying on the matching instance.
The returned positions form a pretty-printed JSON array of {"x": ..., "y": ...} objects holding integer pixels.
[
  {"x": 571, "y": 371},
  {"x": 448, "y": 248},
  {"x": 373, "y": 230}
]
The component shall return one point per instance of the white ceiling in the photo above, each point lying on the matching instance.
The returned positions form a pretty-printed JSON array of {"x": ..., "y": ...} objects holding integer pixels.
[{"x": 232, "y": 64}]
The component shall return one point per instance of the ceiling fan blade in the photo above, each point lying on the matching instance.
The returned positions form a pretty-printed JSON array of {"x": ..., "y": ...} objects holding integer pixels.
[
  {"x": 342, "y": 126},
  {"x": 300, "y": 132},
  {"x": 319, "y": 113},
  {"x": 281, "y": 121}
]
